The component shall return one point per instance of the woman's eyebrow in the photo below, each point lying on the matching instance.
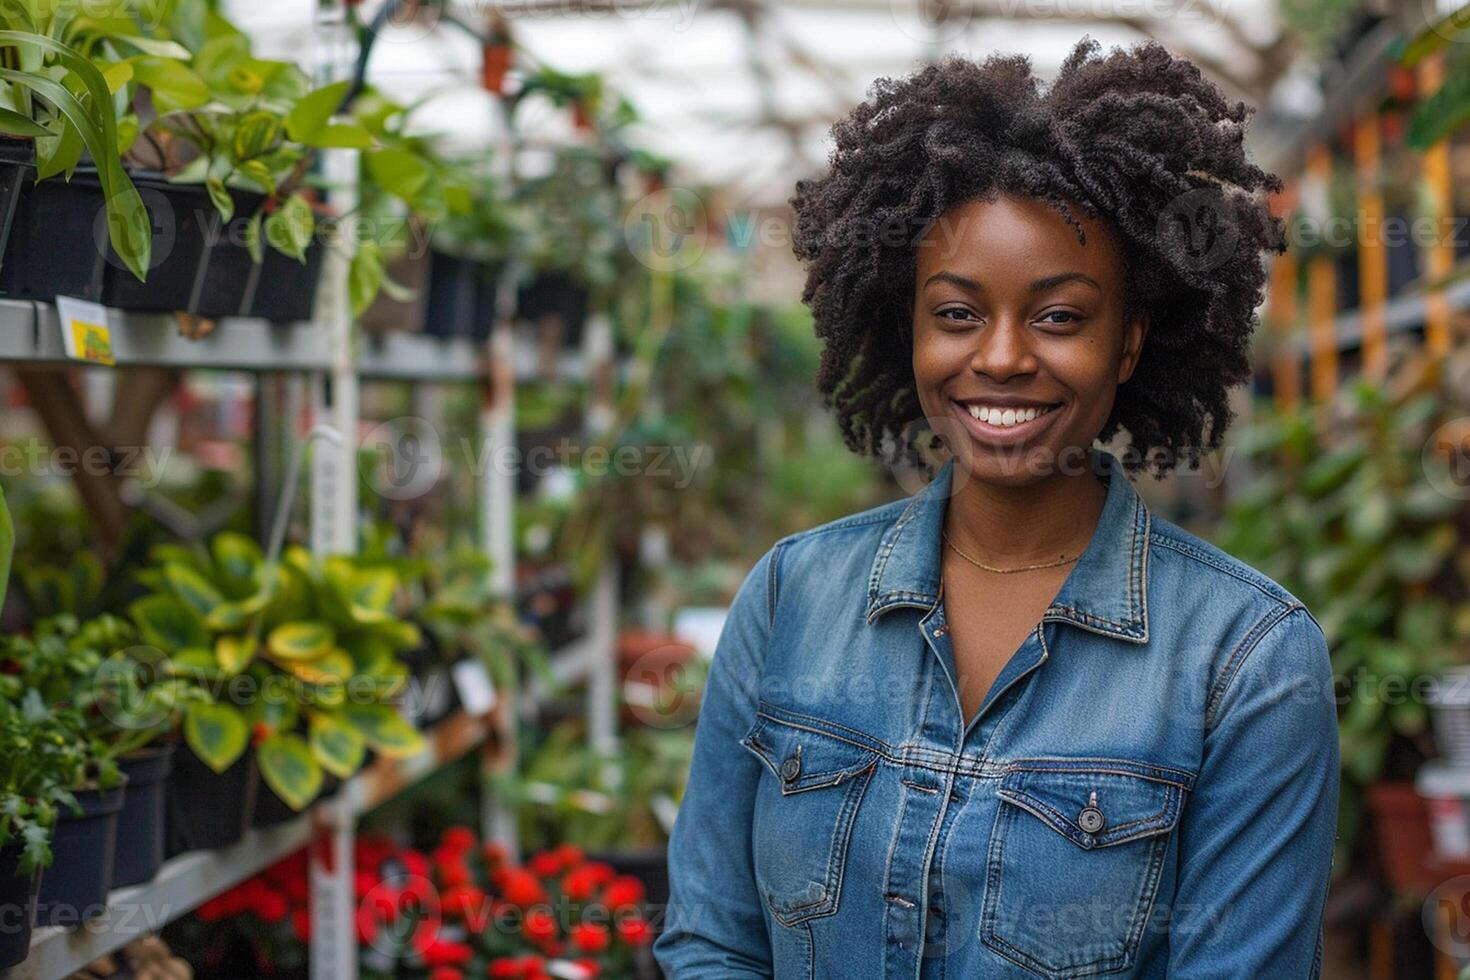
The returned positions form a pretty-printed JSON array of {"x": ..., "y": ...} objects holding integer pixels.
[{"x": 1039, "y": 286}]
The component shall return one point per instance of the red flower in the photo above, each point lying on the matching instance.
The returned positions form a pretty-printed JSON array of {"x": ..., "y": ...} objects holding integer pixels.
[
  {"x": 539, "y": 926},
  {"x": 272, "y": 907},
  {"x": 522, "y": 888},
  {"x": 462, "y": 902},
  {"x": 367, "y": 926},
  {"x": 259, "y": 732},
  {"x": 363, "y": 882},
  {"x": 213, "y": 910},
  {"x": 624, "y": 890},
  {"x": 589, "y": 968},
  {"x": 545, "y": 863},
  {"x": 446, "y": 973},
  {"x": 301, "y": 924},
  {"x": 603, "y": 871},
  {"x": 634, "y": 931},
  {"x": 571, "y": 855},
  {"x": 453, "y": 874},
  {"x": 590, "y": 937},
  {"x": 494, "y": 853},
  {"x": 579, "y": 885},
  {"x": 458, "y": 839},
  {"x": 445, "y": 952},
  {"x": 504, "y": 966},
  {"x": 415, "y": 862}
]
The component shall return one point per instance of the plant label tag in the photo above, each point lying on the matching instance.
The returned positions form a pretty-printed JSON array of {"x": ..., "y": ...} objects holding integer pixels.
[
  {"x": 84, "y": 330},
  {"x": 476, "y": 692}
]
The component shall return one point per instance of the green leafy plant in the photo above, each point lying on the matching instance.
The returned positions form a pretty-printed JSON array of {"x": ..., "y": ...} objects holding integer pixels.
[
  {"x": 54, "y": 96},
  {"x": 314, "y": 646},
  {"x": 1352, "y": 516}
]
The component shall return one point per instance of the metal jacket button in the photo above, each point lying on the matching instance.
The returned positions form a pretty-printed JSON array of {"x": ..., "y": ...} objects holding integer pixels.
[
  {"x": 1091, "y": 818},
  {"x": 791, "y": 768}
]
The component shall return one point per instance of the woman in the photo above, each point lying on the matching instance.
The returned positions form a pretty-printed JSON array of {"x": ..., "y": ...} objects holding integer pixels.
[{"x": 1017, "y": 725}]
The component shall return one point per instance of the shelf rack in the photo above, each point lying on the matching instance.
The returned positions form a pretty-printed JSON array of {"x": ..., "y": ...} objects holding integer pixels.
[{"x": 184, "y": 882}]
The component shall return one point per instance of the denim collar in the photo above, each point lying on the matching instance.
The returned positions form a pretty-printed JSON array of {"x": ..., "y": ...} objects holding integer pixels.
[{"x": 1106, "y": 591}]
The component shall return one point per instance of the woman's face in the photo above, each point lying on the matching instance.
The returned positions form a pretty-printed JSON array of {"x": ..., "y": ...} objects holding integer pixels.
[{"x": 1020, "y": 341}]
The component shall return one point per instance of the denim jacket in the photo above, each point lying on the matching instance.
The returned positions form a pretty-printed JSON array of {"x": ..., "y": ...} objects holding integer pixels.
[{"x": 1149, "y": 789}]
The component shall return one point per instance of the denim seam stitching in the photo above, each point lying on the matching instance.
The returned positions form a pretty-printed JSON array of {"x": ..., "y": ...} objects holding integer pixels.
[
  {"x": 1247, "y": 645},
  {"x": 1166, "y": 540}
]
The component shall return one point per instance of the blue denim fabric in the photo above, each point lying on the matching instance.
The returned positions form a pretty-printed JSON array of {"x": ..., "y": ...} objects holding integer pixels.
[{"x": 1149, "y": 790}]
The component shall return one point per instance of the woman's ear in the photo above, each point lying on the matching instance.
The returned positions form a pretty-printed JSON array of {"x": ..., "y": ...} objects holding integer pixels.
[{"x": 1134, "y": 332}]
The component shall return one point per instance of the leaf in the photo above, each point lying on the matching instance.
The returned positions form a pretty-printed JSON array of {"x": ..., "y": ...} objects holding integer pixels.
[
  {"x": 258, "y": 173},
  {"x": 117, "y": 75},
  {"x": 301, "y": 641},
  {"x": 234, "y": 653},
  {"x": 192, "y": 588},
  {"x": 364, "y": 276},
  {"x": 315, "y": 109},
  {"x": 341, "y": 136},
  {"x": 128, "y": 223},
  {"x": 399, "y": 172},
  {"x": 383, "y": 728},
  {"x": 16, "y": 124},
  {"x": 217, "y": 733},
  {"x": 152, "y": 45},
  {"x": 166, "y": 622},
  {"x": 252, "y": 239},
  {"x": 232, "y": 614},
  {"x": 174, "y": 85},
  {"x": 127, "y": 133},
  {"x": 335, "y": 667},
  {"x": 336, "y": 745},
  {"x": 289, "y": 768},
  {"x": 256, "y": 133},
  {"x": 220, "y": 198},
  {"x": 290, "y": 228}
]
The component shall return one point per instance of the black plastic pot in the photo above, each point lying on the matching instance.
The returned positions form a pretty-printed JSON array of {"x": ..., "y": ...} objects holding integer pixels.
[
  {"x": 58, "y": 244},
  {"x": 140, "y": 827},
  {"x": 83, "y": 848},
  {"x": 557, "y": 293},
  {"x": 17, "y": 907},
  {"x": 207, "y": 810},
  {"x": 283, "y": 290},
  {"x": 460, "y": 298}
]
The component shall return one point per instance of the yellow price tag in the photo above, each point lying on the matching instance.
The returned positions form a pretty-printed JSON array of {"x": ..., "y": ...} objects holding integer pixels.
[{"x": 84, "y": 330}]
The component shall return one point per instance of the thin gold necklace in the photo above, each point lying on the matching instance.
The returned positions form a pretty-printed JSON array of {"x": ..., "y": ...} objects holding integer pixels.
[{"x": 1005, "y": 571}]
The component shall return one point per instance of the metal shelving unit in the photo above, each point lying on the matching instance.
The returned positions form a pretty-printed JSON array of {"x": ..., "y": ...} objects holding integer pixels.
[
  {"x": 186, "y": 881},
  {"x": 331, "y": 359}
]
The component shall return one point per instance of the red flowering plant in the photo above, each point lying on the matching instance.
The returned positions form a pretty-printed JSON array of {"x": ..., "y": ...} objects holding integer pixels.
[{"x": 557, "y": 915}]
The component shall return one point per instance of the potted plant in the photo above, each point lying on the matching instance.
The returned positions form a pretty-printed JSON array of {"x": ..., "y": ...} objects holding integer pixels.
[{"x": 301, "y": 657}]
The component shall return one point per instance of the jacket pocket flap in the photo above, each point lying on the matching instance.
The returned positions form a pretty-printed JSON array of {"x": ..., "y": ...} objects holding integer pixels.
[
  {"x": 1095, "y": 803},
  {"x": 804, "y": 758}
]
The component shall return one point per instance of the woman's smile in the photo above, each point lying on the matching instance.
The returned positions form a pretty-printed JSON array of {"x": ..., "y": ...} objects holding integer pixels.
[{"x": 996, "y": 423}]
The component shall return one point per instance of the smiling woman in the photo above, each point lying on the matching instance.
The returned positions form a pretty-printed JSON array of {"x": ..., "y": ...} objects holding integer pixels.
[{"x": 1019, "y": 725}]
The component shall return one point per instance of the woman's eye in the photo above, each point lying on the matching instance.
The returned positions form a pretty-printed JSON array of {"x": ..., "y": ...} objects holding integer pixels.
[
  {"x": 955, "y": 313},
  {"x": 1067, "y": 317}
]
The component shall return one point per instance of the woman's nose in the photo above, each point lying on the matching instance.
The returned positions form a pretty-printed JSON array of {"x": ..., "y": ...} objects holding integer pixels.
[{"x": 1003, "y": 350}]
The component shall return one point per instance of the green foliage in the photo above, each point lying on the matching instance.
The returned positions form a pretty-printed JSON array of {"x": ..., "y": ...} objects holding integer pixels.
[
  {"x": 1353, "y": 520},
  {"x": 571, "y": 793},
  {"x": 314, "y": 646}
]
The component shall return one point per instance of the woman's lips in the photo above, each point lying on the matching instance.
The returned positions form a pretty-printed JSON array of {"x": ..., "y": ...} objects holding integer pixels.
[{"x": 983, "y": 431}]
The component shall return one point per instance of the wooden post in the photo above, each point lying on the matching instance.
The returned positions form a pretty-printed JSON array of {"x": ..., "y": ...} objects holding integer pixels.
[
  {"x": 1321, "y": 296},
  {"x": 1372, "y": 254},
  {"x": 1441, "y": 252},
  {"x": 1282, "y": 310}
]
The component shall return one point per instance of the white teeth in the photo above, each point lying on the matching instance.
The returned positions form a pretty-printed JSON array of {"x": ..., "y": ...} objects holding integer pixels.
[{"x": 1005, "y": 417}]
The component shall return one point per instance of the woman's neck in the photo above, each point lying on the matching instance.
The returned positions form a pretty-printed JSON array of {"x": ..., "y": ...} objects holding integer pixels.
[{"x": 1006, "y": 526}]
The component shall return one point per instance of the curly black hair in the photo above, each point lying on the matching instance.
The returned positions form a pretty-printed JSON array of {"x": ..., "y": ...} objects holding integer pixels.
[{"x": 1136, "y": 137}]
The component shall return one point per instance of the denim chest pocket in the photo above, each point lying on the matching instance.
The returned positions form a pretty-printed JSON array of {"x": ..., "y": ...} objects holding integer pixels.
[
  {"x": 1074, "y": 862},
  {"x": 804, "y": 812}
]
